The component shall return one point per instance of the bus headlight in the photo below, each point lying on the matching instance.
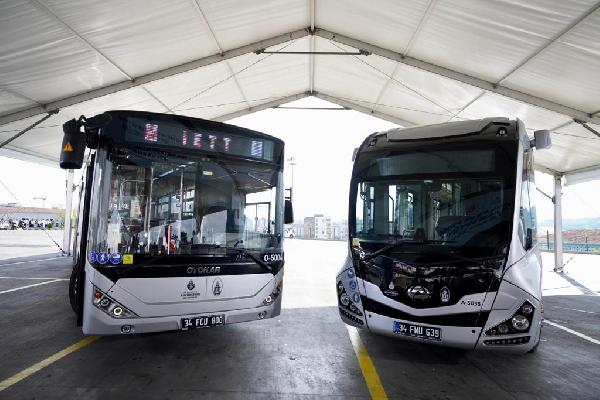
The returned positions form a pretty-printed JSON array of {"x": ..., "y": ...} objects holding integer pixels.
[
  {"x": 344, "y": 299},
  {"x": 111, "y": 306},
  {"x": 274, "y": 295},
  {"x": 518, "y": 323},
  {"x": 347, "y": 304},
  {"x": 502, "y": 329},
  {"x": 527, "y": 309}
]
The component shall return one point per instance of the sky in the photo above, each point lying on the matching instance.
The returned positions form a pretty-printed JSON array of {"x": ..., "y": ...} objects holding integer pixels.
[{"x": 320, "y": 141}]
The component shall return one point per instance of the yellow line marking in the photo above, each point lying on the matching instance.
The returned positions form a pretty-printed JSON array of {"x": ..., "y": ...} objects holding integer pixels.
[
  {"x": 8, "y": 382},
  {"x": 366, "y": 366}
]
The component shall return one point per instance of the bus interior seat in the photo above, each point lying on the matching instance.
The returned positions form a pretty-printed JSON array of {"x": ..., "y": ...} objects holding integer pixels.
[
  {"x": 420, "y": 234},
  {"x": 445, "y": 222}
]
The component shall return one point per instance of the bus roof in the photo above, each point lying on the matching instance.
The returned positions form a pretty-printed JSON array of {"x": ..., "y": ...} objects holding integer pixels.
[{"x": 447, "y": 129}]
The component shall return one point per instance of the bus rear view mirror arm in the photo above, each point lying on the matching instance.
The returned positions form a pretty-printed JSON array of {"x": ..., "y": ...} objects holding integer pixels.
[
  {"x": 529, "y": 239},
  {"x": 541, "y": 139}
]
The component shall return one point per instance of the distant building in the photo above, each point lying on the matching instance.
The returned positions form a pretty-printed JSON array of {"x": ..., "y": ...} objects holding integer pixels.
[
  {"x": 298, "y": 229},
  {"x": 322, "y": 227},
  {"x": 309, "y": 228},
  {"x": 340, "y": 230}
]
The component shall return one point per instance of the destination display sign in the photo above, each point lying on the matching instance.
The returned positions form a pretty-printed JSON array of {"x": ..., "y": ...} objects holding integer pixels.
[{"x": 183, "y": 134}]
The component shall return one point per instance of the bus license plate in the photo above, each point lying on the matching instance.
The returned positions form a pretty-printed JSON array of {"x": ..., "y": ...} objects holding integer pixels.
[
  {"x": 420, "y": 331},
  {"x": 203, "y": 321}
]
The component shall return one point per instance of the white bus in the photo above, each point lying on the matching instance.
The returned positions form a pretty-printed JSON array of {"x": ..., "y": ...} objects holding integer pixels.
[
  {"x": 442, "y": 231},
  {"x": 180, "y": 223}
]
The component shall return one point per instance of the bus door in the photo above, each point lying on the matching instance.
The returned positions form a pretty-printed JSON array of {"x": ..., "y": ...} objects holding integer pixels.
[{"x": 77, "y": 279}]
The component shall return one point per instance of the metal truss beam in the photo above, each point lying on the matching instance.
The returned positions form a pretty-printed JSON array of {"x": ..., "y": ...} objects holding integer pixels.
[
  {"x": 165, "y": 73},
  {"x": 261, "y": 107},
  {"x": 459, "y": 76},
  {"x": 363, "y": 109}
]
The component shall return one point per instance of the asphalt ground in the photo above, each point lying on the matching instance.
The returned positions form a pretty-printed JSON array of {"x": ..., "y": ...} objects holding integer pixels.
[
  {"x": 29, "y": 242},
  {"x": 305, "y": 353}
]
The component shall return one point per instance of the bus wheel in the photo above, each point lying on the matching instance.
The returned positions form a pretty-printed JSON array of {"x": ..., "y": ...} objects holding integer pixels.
[{"x": 73, "y": 285}]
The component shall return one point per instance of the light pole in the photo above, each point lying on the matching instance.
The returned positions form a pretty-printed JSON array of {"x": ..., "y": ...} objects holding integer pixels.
[{"x": 292, "y": 162}]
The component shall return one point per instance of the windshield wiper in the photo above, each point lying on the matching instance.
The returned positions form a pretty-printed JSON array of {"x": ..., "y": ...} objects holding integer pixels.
[
  {"x": 257, "y": 260},
  {"x": 388, "y": 247},
  {"x": 477, "y": 261},
  {"x": 400, "y": 243}
]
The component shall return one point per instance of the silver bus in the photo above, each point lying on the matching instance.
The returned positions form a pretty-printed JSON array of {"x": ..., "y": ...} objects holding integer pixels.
[
  {"x": 180, "y": 223},
  {"x": 442, "y": 236}
]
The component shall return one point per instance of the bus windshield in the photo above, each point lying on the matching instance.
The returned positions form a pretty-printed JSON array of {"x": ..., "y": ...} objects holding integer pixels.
[
  {"x": 162, "y": 203},
  {"x": 438, "y": 200}
]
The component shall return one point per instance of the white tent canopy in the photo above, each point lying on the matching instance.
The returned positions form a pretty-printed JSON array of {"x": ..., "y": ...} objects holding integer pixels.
[{"x": 428, "y": 62}]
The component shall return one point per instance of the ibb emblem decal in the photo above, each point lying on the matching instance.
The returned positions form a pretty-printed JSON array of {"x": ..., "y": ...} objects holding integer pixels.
[
  {"x": 217, "y": 287},
  {"x": 445, "y": 295},
  {"x": 190, "y": 294},
  {"x": 418, "y": 293}
]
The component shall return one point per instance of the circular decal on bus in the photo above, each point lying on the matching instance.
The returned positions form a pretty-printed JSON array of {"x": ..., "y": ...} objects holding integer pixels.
[
  {"x": 102, "y": 258},
  {"x": 116, "y": 258}
]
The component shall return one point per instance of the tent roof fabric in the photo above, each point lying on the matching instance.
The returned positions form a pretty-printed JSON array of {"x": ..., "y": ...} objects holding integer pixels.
[{"x": 429, "y": 61}]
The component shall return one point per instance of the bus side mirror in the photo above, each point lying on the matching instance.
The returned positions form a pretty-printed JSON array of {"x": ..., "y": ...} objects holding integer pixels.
[
  {"x": 529, "y": 239},
  {"x": 541, "y": 139},
  {"x": 73, "y": 145},
  {"x": 288, "y": 212}
]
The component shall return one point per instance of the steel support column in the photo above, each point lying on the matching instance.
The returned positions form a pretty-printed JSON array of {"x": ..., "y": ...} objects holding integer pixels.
[
  {"x": 558, "y": 242},
  {"x": 68, "y": 214}
]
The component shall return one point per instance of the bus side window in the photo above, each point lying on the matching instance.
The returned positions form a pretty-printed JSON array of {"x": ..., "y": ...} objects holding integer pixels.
[{"x": 527, "y": 225}]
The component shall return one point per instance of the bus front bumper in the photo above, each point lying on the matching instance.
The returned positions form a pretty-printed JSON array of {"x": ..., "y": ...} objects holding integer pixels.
[
  {"x": 461, "y": 337},
  {"x": 97, "y": 322}
]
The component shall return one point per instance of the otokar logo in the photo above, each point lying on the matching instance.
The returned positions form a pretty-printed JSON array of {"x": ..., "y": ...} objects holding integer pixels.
[{"x": 203, "y": 270}]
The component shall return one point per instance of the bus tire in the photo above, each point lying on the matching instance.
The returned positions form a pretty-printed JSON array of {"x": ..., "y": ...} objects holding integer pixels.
[{"x": 73, "y": 282}]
